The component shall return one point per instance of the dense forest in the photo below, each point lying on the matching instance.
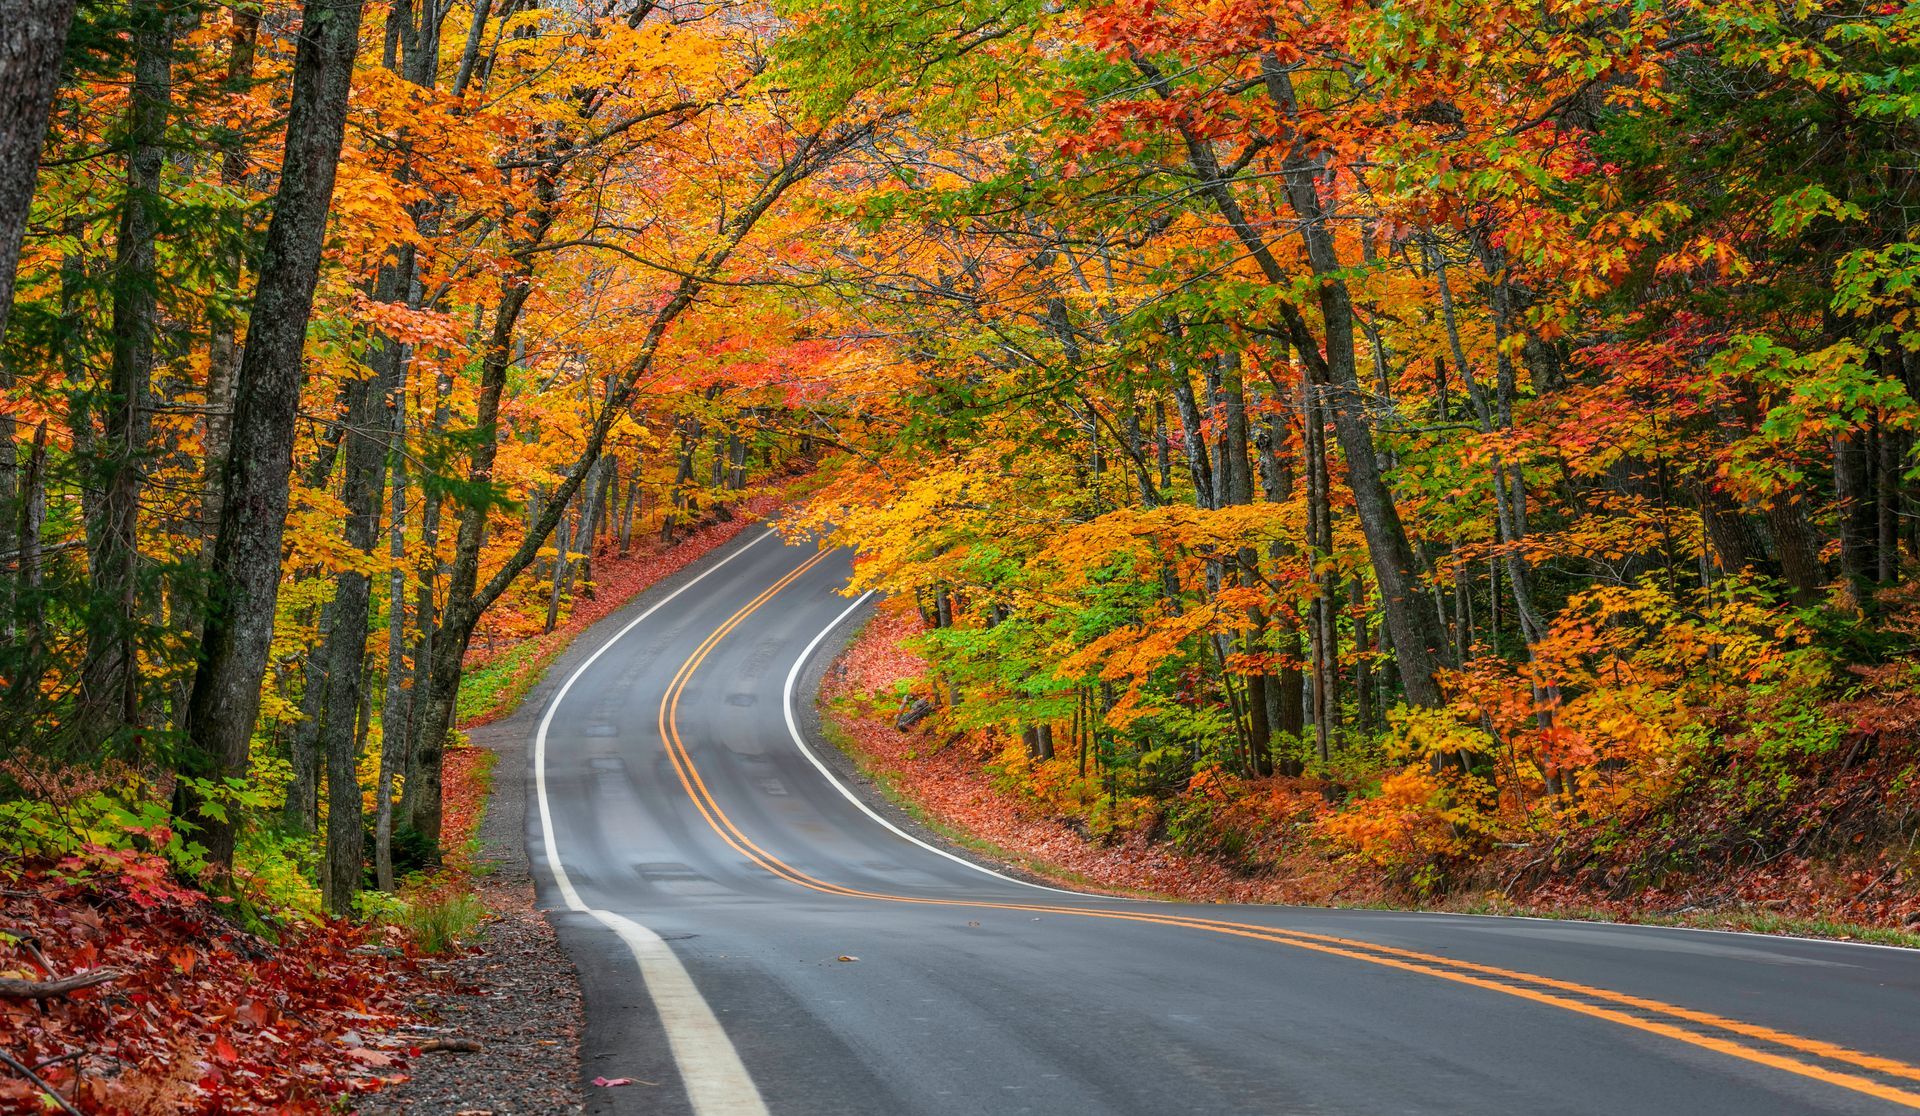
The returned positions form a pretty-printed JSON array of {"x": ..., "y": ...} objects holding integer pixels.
[
  {"x": 1411, "y": 429},
  {"x": 340, "y": 344},
  {"x": 1416, "y": 427}
]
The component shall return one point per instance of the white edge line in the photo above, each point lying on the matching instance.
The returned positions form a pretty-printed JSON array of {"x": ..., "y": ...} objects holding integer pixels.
[
  {"x": 799, "y": 738},
  {"x": 793, "y": 727},
  {"x": 711, "y": 1072},
  {"x": 715, "y": 1079}
]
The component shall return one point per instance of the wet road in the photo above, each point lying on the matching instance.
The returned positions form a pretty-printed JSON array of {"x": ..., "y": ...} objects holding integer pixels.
[{"x": 708, "y": 868}]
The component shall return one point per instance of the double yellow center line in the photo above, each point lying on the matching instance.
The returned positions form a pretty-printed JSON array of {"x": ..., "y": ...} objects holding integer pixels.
[{"x": 1869, "y": 1074}]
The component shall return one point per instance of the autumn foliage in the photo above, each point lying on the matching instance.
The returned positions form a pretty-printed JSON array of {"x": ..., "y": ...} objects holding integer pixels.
[
  {"x": 1459, "y": 441},
  {"x": 1469, "y": 444},
  {"x": 202, "y": 1015},
  {"x": 349, "y": 346}
]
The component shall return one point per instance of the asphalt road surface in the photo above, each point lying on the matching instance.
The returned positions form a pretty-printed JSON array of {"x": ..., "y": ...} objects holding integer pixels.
[{"x": 711, "y": 876}]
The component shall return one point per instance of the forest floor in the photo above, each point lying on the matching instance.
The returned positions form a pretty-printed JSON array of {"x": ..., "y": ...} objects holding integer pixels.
[
  {"x": 467, "y": 1006},
  {"x": 943, "y": 779},
  {"x": 193, "y": 1012}
]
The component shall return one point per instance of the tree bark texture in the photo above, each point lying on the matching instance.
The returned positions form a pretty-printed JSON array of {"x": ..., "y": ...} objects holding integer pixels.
[
  {"x": 109, "y": 683},
  {"x": 246, "y": 557},
  {"x": 33, "y": 37},
  {"x": 368, "y": 434}
]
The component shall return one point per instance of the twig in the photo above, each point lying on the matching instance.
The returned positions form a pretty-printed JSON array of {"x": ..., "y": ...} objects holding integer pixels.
[
  {"x": 451, "y": 1045},
  {"x": 12, "y": 988},
  {"x": 32, "y": 945},
  {"x": 37, "y": 1080},
  {"x": 58, "y": 1058}
]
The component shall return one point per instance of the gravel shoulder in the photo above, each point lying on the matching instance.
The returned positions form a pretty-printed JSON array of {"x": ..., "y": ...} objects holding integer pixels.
[{"x": 518, "y": 994}]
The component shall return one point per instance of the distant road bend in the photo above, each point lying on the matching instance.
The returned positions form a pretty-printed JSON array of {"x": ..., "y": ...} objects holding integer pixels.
[{"x": 711, "y": 873}]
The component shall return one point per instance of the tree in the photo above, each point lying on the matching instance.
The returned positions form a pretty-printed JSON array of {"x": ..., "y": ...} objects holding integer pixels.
[
  {"x": 246, "y": 552},
  {"x": 33, "y": 34}
]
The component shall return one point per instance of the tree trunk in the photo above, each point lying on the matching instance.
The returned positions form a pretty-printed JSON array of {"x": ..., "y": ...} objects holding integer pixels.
[
  {"x": 223, "y": 345},
  {"x": 680, "y": 501},
  {"x": 246, "y": 557},
  {"x": 599, "y": 481},
  {"x": 425, "y": 611},
  {"x": 1322, "y": 635},
  {"x": 10, "y": 494},
  {"x": 470, "y": 55},
  {"x": 1795, "y": 545},
  {"x": 563, "y": 539},
  {"x": 1853, "y": 461},
  {"x": 1286, "y": 712},
  {"x": 28, "y": 645},
  {"x": 435, "y": 714},
  {"x": 1887, "y": 482},
  {"x": 1193, "y": 439},
  {"x": 33, "y": 38},
  {"x": 109, "y": 682},
  {"x": 1362, "y": 667},
  {"x": 301, "y": 809},
  {"x": 369, "y": 430},
  {"x": 628, "y": 507},
  {"x": 1509, "y": 493},
  {"x": 1416, "y": 638},
  {"x": 393, "y": 717}
]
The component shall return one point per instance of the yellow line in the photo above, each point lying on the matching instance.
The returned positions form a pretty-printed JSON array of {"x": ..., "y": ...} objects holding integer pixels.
[
  {"x": 690, "y": 780},
  {"x": 1407, "y": 960}
]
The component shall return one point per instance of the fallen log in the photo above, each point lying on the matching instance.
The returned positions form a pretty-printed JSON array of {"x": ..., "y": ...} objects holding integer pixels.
[
  {"x": 13, "y": 988},
  {"x": 912, "y": 714}
]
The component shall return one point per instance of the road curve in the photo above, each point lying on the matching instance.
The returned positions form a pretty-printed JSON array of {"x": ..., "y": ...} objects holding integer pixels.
[{"x": 708, "y": 878}]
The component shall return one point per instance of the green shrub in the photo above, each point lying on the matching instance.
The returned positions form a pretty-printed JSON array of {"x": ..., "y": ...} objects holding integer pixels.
[{"x": 436, "y": 922}]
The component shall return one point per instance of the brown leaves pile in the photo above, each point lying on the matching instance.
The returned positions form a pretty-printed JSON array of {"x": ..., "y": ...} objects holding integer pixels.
[{"x": 205, "y": 1017}]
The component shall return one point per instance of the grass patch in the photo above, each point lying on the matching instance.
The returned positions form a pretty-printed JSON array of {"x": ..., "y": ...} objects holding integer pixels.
[
  {"x": 439, "y": 923},
  {"x": 494, "y": 689}
]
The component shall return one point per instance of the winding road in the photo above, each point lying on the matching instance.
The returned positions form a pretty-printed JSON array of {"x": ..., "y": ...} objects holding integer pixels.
[{"x": 713, "y": 870}]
